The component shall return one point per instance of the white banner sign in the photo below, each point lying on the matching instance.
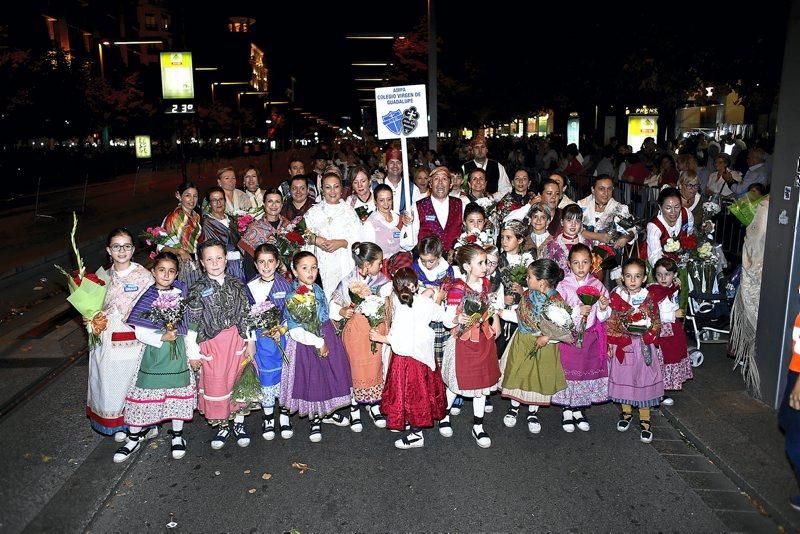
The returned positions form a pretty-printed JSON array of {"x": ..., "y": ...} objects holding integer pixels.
[{"x": 402, "y": 111}]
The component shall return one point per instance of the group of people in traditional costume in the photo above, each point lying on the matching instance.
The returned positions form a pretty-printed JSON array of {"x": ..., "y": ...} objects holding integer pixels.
[{"x": 463, "y": 292}]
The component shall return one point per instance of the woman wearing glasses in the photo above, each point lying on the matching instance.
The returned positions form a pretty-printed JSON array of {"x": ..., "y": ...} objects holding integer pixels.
[
  {"x": 689, "y": 185},
  {"x": 217, "y": 225},
  {"x": 114, "y": 362}
]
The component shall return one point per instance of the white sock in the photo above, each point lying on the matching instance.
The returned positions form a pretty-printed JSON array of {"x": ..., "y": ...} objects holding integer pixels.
[
  {"x": 450, "y": 398},
  {"x": 514, "y": 403},
  {"x": 284, "y": 418},
  {"x": 238, "y": 418},
  {"x": 533, "y": 408},
  {"x": 478, "y": 408}
]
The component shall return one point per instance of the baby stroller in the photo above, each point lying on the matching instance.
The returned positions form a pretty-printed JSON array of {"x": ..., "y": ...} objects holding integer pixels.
[{"x": 708, "y": 309}]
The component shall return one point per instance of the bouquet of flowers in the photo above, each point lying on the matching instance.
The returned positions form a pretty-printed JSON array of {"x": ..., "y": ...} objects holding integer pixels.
[
  {"x": 488, "y": 204},
  {"x": 625, "y": 224},
  {"x": 555, "y": 322},
  {"x": 475, "y": 309},
  {"x": 302, "y": 307},
  {"x": 505, "y": 207},
  {"x": 357, "y": 291},
  {"x": 247, "y": 388},
  {"x": 265, "y": 316},
  {"x": 482, "y": 239},
  {"x": 87, "y": 292},
  {"x": 291, "y": 239},
  {"x": 679, "y": 248},
  {"x": 373, "y": 308},
  {"x": 168, "y": 310},
  {"x": 240, "y": 219},
  {"x": 745, "y": 208},
  {"x": 155, "y": 235},
  {"x": 363, "y": 213},
  {"x": 514, "y": 274},
  {"x": 588, "y": 295},
  {"x": 637, "y": 324}
]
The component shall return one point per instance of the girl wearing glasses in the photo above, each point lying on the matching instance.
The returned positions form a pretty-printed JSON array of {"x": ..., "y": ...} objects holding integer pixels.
[{"x": 114, "y": 363}]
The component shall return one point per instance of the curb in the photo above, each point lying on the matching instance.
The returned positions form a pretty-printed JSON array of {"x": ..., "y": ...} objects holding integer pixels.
[{"x": 774, "y": 514}]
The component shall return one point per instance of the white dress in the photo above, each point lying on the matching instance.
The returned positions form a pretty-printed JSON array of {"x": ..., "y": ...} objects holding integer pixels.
[{"x": 333, "y": 221}]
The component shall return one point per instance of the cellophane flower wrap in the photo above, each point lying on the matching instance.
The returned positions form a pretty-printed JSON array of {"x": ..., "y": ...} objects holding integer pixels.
[
  {"x": 476, "y": 311},
  {"x": 87, "y": 292},
  {"x": 266, "y": 317},
  {"x": 247, "y": 388},
  {"x": 373, "y": 309},
  {"x": 167, "y": 310},
  {"x": 302, "y": 307},
  {"x": 588, "y": 295},
  {"x": 291, "y": 239},
  {"x": 637, "y": 324},
  {"x": 556, "y": 321}
]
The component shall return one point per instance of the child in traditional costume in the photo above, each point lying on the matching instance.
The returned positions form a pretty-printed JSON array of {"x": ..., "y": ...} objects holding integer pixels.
[
  {"x": 366, "y": 363},
  {"x": 531, "y": 364},
  {"x": 585, "y": 361},
  {"x": 414, "y": 394},
  {"x": 673, "y": 350},
  {"x": 270, "y": 285},
  {"x": 571, "y": 225},
  {"x": 317, "y": 380},
  {"x": 114, "y": 362},
  {"x": 164, "y": 388},
  {"x": 512, "y": 237},
  {"x": 432, "y": 270},
  {"x": 217, "y": 343},
  {"x": 469, "y": 366},
  {"x": 634, "y": 378}
]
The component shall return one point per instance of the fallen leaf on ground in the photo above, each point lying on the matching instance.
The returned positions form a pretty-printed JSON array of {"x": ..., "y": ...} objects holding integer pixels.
[
  {"x": 266, "y": 476},
  {"x": 38, "y": 288},
  {"x": 216, "y": 473},
  {"x": 154, "y": 445},
  {"x": 46, "y": 458},
  {"x": 251, "y": 490},
  {"x": 301, "y": 467},
  {"x": 27, "y": 456},
  {"x": 246, "y": 471}
]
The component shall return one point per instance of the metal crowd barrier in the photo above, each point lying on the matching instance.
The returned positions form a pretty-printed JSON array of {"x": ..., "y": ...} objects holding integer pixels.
[{"x": 642, "y": 201}]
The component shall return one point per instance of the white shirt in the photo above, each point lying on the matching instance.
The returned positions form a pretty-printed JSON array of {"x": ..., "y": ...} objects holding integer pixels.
[
  {"x": 654, "y": 250},
  {"x": 717, "y": 185},
  {"x": 260, "y": 289},
  {"x": 414, "y": 320}
]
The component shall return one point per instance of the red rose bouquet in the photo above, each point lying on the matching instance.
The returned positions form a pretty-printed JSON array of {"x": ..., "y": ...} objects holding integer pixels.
[{"x": 588, "y": 295}]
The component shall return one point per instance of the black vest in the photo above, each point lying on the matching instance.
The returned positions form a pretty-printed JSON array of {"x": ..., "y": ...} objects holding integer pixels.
[{"x": 492, "y": 173}]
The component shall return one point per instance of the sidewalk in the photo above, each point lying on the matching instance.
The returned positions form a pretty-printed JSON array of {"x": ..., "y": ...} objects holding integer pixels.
[{"x": 739, "y": 434}]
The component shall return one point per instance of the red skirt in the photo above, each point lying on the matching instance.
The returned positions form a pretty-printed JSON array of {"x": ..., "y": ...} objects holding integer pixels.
[
  {"x": 413, "y": 394},
  {"x": 674, "y": 347}
]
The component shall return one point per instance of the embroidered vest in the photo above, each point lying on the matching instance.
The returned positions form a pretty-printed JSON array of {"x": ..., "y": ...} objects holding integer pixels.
[{"x": 429, "y": 224}]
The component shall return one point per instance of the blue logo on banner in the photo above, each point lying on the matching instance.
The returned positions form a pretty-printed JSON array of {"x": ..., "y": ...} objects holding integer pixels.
[{"x": 393, "y": 121}]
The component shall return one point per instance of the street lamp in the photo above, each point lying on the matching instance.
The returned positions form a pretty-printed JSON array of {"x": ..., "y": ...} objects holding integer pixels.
[{"x": 103, "y": 43}]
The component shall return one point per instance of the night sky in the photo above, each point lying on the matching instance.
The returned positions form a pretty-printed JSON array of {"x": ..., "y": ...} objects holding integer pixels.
[{"x": 523, "y": 51}]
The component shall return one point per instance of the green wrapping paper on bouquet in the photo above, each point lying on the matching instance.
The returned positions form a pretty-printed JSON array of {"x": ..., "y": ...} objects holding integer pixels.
[{"x": 248, "y": 388}]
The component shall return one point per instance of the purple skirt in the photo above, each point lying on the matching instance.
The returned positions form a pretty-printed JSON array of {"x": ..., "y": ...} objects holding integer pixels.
[
  {"x": 586, "y": 371},
  {"x": 634, "y": 382},
  {"x": 316, "y": 386}
]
